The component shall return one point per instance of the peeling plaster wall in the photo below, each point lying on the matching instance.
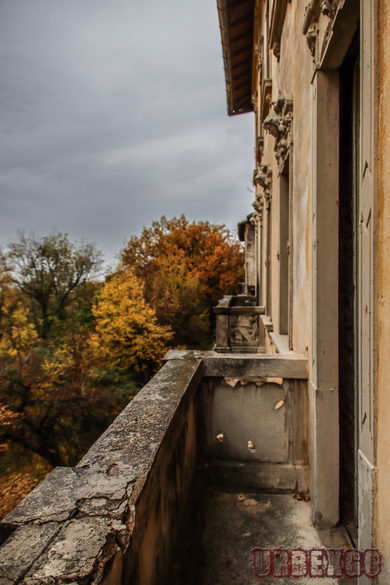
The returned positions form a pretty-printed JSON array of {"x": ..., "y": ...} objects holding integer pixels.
[{"x": 254, "y": 432}]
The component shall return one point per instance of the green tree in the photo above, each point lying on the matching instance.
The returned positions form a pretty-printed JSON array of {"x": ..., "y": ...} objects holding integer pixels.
[{"x": 51, "y": 271}]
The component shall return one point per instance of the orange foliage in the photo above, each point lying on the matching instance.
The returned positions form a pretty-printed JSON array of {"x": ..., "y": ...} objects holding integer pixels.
[{"x": 186, "y": 267}]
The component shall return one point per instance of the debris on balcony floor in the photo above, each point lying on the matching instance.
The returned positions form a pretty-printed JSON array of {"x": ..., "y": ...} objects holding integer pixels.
[{"x": 236, "y": 522}]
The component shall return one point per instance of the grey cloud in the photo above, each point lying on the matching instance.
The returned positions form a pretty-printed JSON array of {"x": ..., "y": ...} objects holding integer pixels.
[{"x": 113, "y": 114}]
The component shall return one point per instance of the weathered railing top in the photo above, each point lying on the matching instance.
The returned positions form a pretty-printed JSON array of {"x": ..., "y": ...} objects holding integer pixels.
[
  {"x": 238, "y": 305},
  {"x": 214, "y": 364}
]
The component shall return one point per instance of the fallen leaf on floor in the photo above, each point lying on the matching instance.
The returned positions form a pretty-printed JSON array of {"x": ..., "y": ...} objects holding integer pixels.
[
  {"x": 241, "y": 497},
  {"x": 302, "y": 497},
  {"x": 250, "y": 503}
]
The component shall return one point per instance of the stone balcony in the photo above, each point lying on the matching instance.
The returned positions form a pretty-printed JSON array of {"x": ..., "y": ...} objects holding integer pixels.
[
  {"x": 206, "y": 428},
  {"x": 239, "y": 329}
]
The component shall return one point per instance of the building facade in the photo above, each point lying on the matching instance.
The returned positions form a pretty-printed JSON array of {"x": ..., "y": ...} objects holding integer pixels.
[{"x": 314, "y": 74}]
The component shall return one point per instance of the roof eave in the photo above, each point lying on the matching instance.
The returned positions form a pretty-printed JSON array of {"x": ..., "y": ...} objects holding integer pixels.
[{"x": 236, "y": 104}]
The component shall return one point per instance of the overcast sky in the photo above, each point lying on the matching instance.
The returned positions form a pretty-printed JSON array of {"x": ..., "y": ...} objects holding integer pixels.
[{"x": 112, "y": 114}]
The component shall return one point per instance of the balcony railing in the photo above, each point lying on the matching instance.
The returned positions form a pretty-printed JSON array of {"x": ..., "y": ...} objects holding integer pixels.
[{"x": 118, "y": 516}]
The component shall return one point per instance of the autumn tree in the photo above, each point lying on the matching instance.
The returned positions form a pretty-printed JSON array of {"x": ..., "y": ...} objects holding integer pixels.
[
  {"x": 51, "y": 271},
  {"x": 186, "y": 268},
  {"x": 127, "y": 334},
  {"x": 54, "y": 399}
]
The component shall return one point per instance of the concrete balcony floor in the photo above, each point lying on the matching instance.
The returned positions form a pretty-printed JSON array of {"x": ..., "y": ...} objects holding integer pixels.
[{"x": 232, "y": 526}]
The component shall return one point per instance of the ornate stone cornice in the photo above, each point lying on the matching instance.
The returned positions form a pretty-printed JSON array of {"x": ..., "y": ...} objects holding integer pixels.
[
  {"x": 263, "y": 178},
  {"x": 279, "y": 124}
]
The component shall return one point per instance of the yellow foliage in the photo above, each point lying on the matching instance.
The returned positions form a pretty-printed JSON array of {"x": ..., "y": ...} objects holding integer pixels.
[
  {"x": 127, "y": 333},
  {"x": 18, "y": 334}
]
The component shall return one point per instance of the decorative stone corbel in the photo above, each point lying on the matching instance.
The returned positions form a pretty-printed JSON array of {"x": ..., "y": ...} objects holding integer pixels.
[
  {"x": 309, "y": 28},
  {"x": 311, "y": 39},
  {"x": 258, "y": 206},
  {"x": 329, "y": 8},
  {"x": 279, "y": 123},
  {"x": 315, "y": 10},
  {"x": 264, "y": 179},
  {"x": 309, "y": 15}
]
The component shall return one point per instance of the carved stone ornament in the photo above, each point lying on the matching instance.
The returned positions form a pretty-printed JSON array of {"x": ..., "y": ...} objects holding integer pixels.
[
  {"x": 313, "y": 13},
  {"x": 243, "y": 330},
  {"x": 258, "y": 206},
  {"x": 278, "y": 123},
  {"x": 264, "y": 179},
  {"x": 329, "y": 8}
]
